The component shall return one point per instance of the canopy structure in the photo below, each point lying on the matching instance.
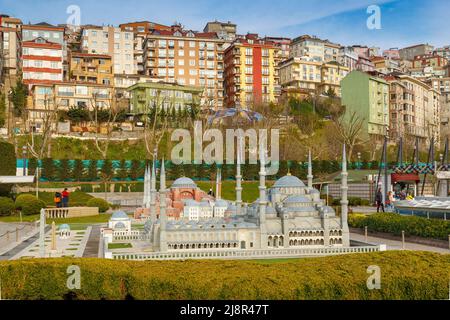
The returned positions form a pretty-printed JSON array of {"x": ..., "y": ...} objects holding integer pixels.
[{"x": 16, "y": 179}]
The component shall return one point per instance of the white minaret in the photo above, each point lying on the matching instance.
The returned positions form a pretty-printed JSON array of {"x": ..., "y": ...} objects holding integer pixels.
[
  {"x": 344, "y": 201},
  {"x": 145, "y": 200},
  {"x": 153, "y": 193},
  {"x": 310, "y": 175},
  {"x": 238, "y": 182},
  {"x": 162, "y": 210},
  {"x": 262, "y": 197},
  {"x": 218, "y": 184}
]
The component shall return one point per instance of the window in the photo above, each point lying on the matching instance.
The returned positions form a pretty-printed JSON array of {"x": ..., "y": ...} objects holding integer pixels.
[
  {"x": 192, "y": 63},
  {"x": 248, "y": 51},
  {"x": 181, "y": 62},
  {"x": 181, "y": 72},
  {"x": 248, "y": 60},
  {"x": 181, "y": 53},
  {"x": 191, "y": 53},
  {"x": 192, "y": 44},
  {"x": 81, "y": 90}
]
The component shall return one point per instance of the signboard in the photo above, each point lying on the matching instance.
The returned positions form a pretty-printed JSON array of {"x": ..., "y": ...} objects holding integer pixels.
[{"x": 443, "y": 175}]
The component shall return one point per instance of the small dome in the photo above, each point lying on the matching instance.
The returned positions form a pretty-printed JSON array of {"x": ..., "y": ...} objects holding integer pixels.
[
  {"x": 64, "y": 227},
  {"x": 184, "y": 183},
  {"x": 119, "y": 225},
  {"x": 289, "y": 182},
  {"x": 221, "y": 203},
  {"x": 119, "y": 215},
  {"x": 296, "y": 199}
]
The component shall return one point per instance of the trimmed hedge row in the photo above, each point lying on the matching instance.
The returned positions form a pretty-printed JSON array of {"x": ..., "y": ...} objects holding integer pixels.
[
  {"x": 404, "y": 275},
  {"x": 395, "y": 223}
]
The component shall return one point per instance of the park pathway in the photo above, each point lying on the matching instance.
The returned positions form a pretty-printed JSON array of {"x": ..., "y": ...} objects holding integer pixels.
[
  {"x": 397, "y": 245},
  {"x": 21, "y": 246},
  {"x": 92, "y": 245}
]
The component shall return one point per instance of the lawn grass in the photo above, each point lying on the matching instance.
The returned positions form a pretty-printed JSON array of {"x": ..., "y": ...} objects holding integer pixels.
[
  {"x": 250, "y": 190},
  {"x": 120, "y": 245},
  {"x": 76, "y": 198}
]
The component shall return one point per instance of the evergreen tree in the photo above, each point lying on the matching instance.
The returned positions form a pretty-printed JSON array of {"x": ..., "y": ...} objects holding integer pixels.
[
  {"x": 78, "y": 170},
  {"x": 175, "y": 172},
  {"x": 32, "y": 164},
  {"x": 63, "y": 172},
  {"x": 48, "y": 169},
  {"x": 136, "y": 170},
  {"x": 2, "y": 110},
  {"x": 19, "y": 98},
  {"x": 122, "y": 173},
  {"x": 92, "y": 171},
  {"x": 107, "y": 170}
]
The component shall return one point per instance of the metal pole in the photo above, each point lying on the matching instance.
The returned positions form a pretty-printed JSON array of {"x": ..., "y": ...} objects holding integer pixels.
[
  {"x": 24, "y": 154},
  {"x": 385, "y": 171},
  {"x": 17, "y": 234},
  {"x": 365, "y": 234},
  {"x": 430, "y": 152},
  {"x": 403, "y": 240}
]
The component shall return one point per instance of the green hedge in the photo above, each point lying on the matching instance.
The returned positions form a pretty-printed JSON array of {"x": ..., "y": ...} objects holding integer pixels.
[
  {"x": 405, "y": 275},
  {"x": 29, "y": 204},
  {"x": 8, "y": 165},
  {"x": 395, "y": 224},
  {"x": 102, "y": 204},
  {"x": 6, "y": 206}
]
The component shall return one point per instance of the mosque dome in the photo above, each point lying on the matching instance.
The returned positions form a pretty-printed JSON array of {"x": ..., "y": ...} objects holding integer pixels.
[
  {"x": 64, "y": 227},
  {"x": 221, "y": 203},
  {"x": 119, "y": 215},
  {"x": 119, "y": 225},
  {"x": 296, "y": 199},
  {"x": 289, "y": 182},
  {"x": 184, "y": 183}
]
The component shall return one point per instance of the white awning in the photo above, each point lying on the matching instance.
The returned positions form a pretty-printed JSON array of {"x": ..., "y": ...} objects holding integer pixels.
[{"x": 16, "y": 179}]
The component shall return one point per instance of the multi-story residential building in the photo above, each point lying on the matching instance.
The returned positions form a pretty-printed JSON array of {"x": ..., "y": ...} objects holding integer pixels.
[
  {"x": 361, "y": 51},
  {"x": 251, "y": 72},
  {"x": 141, "y": 29},
  {"x": 374, "y": 51},
  {"x": 225, "y": 30},
  {"x": 284, "y": 45},
  {"x": 429, "y": 60},
  {"x": 314, "y": 48},
  {"x": 348, "y": 58},
  {"x": 42, "y": 61},
  {"x": 443, "y": 52},
  {"x": 414, "y": 109},
  {"x": 113, "y": 42},
  {"x": 392, "y": 53},
  {"x": 187, "y": 58},
  {"x": 163, "y": 95},
  {"x": 310, "y": 78},
  {"x": 385, "y": 65},
  {"x": 364, "y": 64},
  {"x": 89, "y": 67},
  {"x": 10, "y": 50},
  {"x": 442, "y": 85},
  {"x": 409, "y": 53},
  {"x": 44, "y": 98},
  {"x": 365, "y": 98}
]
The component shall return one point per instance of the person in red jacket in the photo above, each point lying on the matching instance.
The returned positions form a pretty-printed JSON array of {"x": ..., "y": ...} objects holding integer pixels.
[{"x": 65, "y": 198}]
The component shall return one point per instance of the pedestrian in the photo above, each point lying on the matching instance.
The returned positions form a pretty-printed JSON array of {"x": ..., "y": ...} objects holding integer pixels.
[
  {"x": 57, "y": 199},
  {"x": 379, "y": 200},
  {"x": 390, "y": 201},
  {"x": 65, "y": 198}
]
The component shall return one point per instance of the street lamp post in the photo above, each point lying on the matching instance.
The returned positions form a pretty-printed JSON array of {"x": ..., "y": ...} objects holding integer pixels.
[
  {"x": 24, "y": 155},
  {"x": 359, "y": 160}
]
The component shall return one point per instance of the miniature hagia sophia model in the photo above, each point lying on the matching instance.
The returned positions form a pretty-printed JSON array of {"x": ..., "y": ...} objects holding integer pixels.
[{"x": 288, "y": 215}]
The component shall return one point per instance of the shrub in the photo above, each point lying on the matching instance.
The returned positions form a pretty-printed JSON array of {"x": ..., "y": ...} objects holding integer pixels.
[
  {"x": 395, "y": 224},
  {"x": 102, "y": 204},
  {"x": 8, "y": 167},
  {"x": 6, "y": 206},
  {"x": 29, "y": 204},
  {"x": 406, "y": 275}
]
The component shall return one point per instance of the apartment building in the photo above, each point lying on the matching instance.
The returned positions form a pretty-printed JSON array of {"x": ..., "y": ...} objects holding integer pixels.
[
  {"x": 90, "y": 67},
  {"x": 443, "y": 52},
  {"x": 140, "y": 30},
  {"x": 442, "y": 85},
  {"x": 314, "y": 48},
  {"x": 111, "y": 41},
  {"x": 414, "y": 108},
  {"x": 163, "y": 95},
  {"x": 251, "y": 72},
  {"x": 284, "y": 44},
  {"x": 367, "y": 97},
  {"x": 10, "y": 46},
  {"x": 348, "y": 58},
  {"x": 392, "y": 53},
  {"x": 310, "y": 77},
  {"x": 224, "y": 30},
  {"x": 42, "y": 61},
  {"x": 385, "y": 65},
  {"x": 409, "y": 53},
  {"x": 187, "y": 58},
  {"x": 429, "y": 60}
]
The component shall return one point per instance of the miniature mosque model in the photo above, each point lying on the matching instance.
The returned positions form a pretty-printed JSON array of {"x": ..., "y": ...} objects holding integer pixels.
[{"x": 290, "y": 214}]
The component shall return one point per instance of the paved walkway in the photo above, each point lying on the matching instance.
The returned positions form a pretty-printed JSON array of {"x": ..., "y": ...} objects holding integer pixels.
[
  {"x": 21, "y": 246},
  {"x": 397, "y": 245},
  {"x": 92, "y": 245}
]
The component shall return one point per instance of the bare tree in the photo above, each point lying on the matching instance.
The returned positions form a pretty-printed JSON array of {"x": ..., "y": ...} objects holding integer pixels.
[
  {"x": 350, "y": 130},
  {"x": 109, "y": 108},
  {"x": 37, "y": 150},
  {"x": 154, "y": 129}
]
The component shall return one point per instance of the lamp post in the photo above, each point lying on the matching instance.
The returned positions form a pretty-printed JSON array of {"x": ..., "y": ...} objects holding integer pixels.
[
  {"x": 24, "y": 156},
  {"x": 359, "y": 160}
]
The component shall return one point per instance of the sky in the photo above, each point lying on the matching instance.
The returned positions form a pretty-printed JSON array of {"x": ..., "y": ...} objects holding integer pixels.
[{"x": 403, "y": 22}]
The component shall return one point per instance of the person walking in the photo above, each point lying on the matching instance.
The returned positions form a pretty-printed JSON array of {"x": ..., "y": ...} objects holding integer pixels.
[
  {"x": 65, "y": 198},
  {"x": 57, "y": 199},
  {"x": 379, "y": 200},
  {"x": 390, "y": 201}
]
